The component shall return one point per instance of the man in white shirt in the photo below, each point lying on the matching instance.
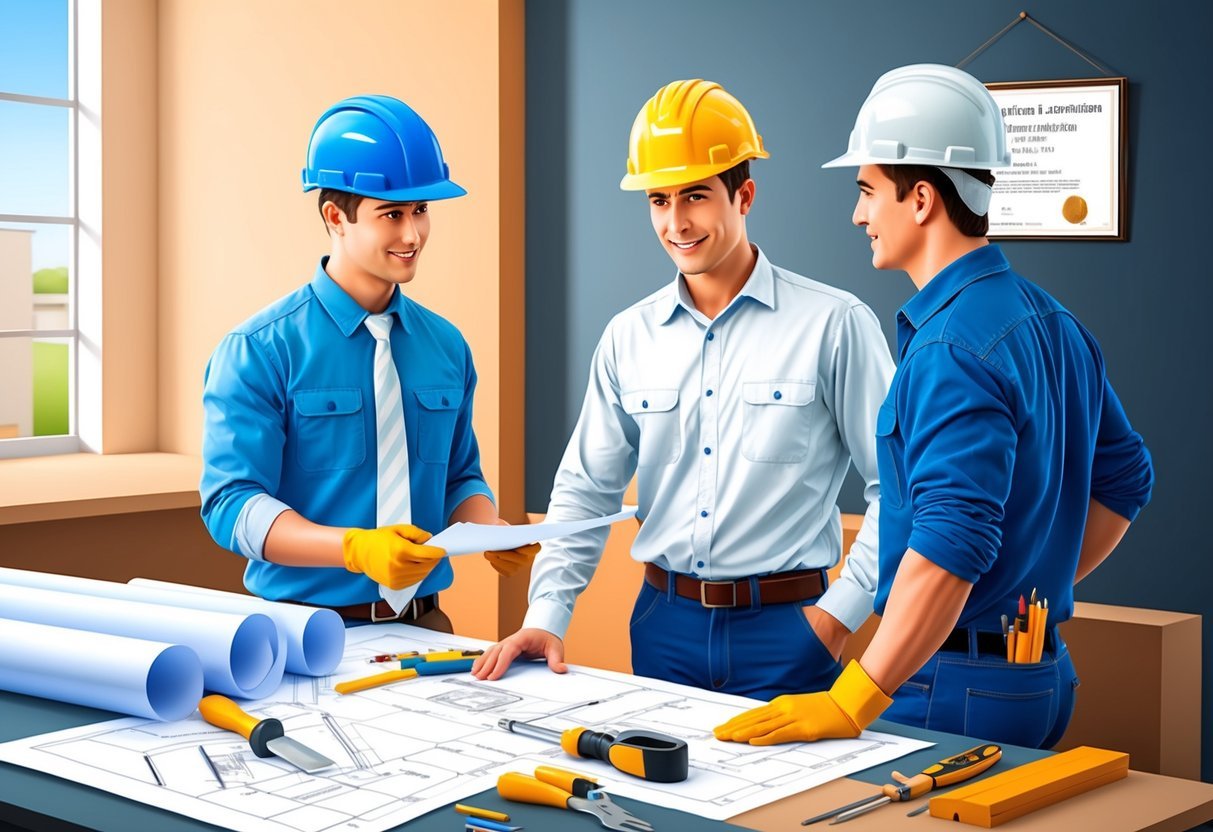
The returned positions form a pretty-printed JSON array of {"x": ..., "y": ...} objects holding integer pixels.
[{"x": 738, "y": 394}]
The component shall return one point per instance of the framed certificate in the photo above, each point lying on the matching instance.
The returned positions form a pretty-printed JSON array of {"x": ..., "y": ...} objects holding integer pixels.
[{"x": 1069, "y": 164}]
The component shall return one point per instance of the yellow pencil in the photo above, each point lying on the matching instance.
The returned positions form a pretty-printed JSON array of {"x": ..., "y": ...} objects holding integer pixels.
[
  {"x": 1042, "y": 615},
  {"x": 355, "y": 685},
  {"x": 477, "y": 812},
  {"x": 1011, "y": 644}
]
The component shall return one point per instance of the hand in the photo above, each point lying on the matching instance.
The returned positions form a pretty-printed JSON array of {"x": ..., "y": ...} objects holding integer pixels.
[
  {"x": 832, "y": 632},
  {"x": 530, "y": 643},
  {"x": 843, "y": 711},
  {"x": 507, "y": 562},
  {"x": 392, "y": 556}
]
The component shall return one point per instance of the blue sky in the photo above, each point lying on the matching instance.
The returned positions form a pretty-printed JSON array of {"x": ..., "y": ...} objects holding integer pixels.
[{"x": 34, "y": 139}]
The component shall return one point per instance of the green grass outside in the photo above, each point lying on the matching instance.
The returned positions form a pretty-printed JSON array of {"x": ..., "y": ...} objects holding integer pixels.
[{"x": 50, "y": 389}]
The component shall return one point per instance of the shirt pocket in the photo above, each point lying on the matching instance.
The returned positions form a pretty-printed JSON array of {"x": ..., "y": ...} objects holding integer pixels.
[
  {"x": 656, "y": 414},
  {"x": 888, "y": 461},
  {"x": 329, "y": 430},
  {"x": 436, "y": 416},
  {"x": 776, "y": 420}
]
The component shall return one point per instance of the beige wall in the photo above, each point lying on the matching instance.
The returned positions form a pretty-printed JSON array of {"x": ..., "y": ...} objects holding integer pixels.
[
  {"x": 239, "y": 87},
  {"x": 16, "y": 354}
]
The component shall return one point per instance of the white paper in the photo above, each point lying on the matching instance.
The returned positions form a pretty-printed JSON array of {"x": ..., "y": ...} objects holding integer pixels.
[
  {"x": 470, "y": 538},
  {"x": 314, "y": 638},
  {"x": 412, "y": 747},
  {"x": 131, "y": 676},
  {"x": 238, "y": 652}
]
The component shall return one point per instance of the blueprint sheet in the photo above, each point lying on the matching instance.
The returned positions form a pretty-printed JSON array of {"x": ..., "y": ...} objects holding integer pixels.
[{"x": 408, "y": 748}]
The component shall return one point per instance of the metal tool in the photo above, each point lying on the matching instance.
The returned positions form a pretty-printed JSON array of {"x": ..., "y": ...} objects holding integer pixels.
[
  {"x": 944, "y": 773},
  {"x": 266, "y": 737},
  {"x": 651, "y": 756},
  {"x": 565, "y": 789}
]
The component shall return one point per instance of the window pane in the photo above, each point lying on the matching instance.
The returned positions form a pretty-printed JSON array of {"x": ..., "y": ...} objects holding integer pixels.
[
  {"x": 33, "y": 60},
  {"x": 33, "y": 159},
  {"x": 35, "y": 276},
  {"x": 34, "y": 387}
]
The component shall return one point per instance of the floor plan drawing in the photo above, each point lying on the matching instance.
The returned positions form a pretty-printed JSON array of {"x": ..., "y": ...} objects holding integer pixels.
[{"x": 405, "y": 749}]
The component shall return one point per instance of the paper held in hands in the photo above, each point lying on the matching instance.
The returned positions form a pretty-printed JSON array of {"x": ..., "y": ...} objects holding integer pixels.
[{"x": 473, "y": 538}]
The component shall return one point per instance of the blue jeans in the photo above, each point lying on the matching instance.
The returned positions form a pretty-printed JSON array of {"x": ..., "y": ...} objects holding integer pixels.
[
  {"x": 986, "y": 697},
  {"x": 756, "y": 651}
]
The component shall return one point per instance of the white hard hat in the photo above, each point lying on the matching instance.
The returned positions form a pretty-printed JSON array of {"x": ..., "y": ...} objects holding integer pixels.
[{"x": 931, "y": 114}]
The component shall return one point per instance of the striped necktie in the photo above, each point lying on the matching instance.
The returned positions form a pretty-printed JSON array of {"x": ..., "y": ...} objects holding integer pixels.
[{"x": 393, "y": 503}]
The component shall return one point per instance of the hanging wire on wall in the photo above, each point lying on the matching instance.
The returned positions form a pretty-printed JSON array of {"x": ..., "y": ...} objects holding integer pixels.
[{"x": 1020, "y": 19}]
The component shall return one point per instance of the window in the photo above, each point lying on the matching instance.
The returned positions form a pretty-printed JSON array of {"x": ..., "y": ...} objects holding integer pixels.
[{"x": 39, "y": 228}]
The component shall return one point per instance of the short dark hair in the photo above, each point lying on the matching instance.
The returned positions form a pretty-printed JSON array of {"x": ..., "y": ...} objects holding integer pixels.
[
  {"x": 735, "y": 177},
  {"x": 347, "y": 202},
  {"x": 906, "y": 176}
]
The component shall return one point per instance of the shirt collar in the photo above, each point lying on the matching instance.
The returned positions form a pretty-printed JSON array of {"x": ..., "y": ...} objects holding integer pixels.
[
  {"x": 949, "y": 283},
  {"x": 344, "y": 310},
  {"x": 760, "y": 286}
]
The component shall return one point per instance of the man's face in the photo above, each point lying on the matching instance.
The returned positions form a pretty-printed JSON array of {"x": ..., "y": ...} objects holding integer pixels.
[
  {"x": 386, "y": 241},
  {"x": 890, "y": 224},
  {"x": 698, "y": 224}
]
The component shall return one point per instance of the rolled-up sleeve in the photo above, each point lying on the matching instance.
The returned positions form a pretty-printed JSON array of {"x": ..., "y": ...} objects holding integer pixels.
[
  {"x": 464, "y": 476},
  {"x": 1122, "y": 473},
  {"x": 597, "y": 465},
  {"x": 242, "y": 439},
  {"x": 960, "y": 434}
]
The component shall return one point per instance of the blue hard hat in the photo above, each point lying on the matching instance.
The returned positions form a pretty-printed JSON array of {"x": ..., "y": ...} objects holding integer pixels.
[{"x": 376, "y": 146}]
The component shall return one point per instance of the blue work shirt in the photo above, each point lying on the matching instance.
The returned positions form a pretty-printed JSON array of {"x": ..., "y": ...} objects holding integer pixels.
[
  {"x": 1000, "y": 426},
  {"x": 290, "y": 413}
]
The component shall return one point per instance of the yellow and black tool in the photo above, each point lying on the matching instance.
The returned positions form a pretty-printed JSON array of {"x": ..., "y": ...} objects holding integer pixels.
[
  {"x": 944, "y": 773},
  {"x": 648, "y": 755}
]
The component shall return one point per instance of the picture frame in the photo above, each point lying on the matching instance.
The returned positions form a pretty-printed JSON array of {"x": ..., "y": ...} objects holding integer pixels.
[{"x": 1069, "y": 148}]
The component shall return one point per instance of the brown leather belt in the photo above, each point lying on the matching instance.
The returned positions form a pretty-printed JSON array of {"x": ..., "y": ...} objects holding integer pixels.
[
  {"x": 780, "y": 588},
  {"x": 380, "y": 612}
]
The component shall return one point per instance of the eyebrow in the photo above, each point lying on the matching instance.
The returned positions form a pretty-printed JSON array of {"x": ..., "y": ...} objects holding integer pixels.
[
  {"x": 392, "y": 206},
  {"x": 692, "y": 189},
  {"x": 863, "y": 185}
]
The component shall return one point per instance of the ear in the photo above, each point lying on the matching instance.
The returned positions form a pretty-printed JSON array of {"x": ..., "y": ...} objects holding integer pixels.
[
  {"x": 925, "y": 201},
  {"x": 334, "y": 218},
  {"x": 746, "y": 194}
]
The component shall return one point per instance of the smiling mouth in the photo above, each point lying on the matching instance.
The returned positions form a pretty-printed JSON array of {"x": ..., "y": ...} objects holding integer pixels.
[
  {"x": 686, "y": 246},
  {"x": 406, "y": 256}
]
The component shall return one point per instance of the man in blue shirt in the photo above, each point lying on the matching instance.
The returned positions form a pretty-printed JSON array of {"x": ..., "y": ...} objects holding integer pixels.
[
  {"x": 339, "y": 418},
  {"x": 1007, "y": 463}
]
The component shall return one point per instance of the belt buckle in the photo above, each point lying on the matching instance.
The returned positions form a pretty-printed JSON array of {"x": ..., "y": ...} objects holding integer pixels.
[
  {"x": 375, "y": 619},
  {"x": 703, "y": 595}
]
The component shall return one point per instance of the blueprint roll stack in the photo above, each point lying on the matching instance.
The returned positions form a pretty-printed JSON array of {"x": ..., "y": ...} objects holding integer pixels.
[{"x": 150, "y": 679}]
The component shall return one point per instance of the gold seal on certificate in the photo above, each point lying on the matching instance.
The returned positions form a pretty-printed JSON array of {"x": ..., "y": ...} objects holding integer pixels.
[{"x": 1074, "y": 209}]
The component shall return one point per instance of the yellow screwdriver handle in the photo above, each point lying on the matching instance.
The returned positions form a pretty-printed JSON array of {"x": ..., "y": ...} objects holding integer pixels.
[
  {"x": 571, "y": 781},
  {"x": 355, "y": 685},
  {"x": 226, "y": 714},
  {"x": 947, "y": 772},
  {"x": 524, "y": 789}
]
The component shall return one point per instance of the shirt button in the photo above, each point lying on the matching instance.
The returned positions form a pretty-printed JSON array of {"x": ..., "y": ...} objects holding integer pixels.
[
  {"x": 707, "y": 451},
  {"x": 709, "y": 392},
  {"x": 331, "y": 406},
  {"x": 711, "y": 335},
  {"x": 644, "y": 403},
  {"x": 700, "y": 564},
  {"x": 778, "y": 395},
  {"x": 703, "y": 514}
]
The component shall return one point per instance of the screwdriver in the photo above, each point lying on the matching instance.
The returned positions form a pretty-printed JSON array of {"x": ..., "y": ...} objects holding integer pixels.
[
  {"x": 651, "y": 756},
  {"x": 944, "y": 773}
]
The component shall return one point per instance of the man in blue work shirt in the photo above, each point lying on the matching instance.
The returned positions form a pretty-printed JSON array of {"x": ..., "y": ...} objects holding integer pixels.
[
  {"x": 339, "y": 418},
  {"x": 1007, "y": 463},
  {"x": 739, "y": 394}
]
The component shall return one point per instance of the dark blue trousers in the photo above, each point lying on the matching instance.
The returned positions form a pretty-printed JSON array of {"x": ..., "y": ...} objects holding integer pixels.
[
  {"x": 986, "y": 697},
  {"x": 756, "y": 651}
]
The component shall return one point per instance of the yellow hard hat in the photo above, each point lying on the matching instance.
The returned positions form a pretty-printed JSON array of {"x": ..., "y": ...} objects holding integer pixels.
[{"x": 688, "y": 131}]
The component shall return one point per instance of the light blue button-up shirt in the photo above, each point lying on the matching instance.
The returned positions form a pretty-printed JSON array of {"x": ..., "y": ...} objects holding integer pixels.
[
  {"x": 740, "y": 431},
  {"x": 289, "y": 402}
]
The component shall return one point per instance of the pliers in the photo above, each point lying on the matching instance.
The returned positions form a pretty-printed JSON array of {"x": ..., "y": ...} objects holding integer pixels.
[{"x": 565, "y": 789}]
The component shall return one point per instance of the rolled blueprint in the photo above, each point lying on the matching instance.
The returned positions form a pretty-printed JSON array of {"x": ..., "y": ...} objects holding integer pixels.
[
  {"x": 150, "y": 679},
  {"x": 315, "y": 637},
  {"x": 237, "y": 652}
]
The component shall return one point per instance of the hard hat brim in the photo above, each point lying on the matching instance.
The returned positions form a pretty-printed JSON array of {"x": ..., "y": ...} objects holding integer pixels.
[
  {"x": 670, "y": 177},
  {"x": 444, "y": 189}
]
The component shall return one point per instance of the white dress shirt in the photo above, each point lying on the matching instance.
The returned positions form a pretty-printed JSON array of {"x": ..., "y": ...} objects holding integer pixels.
[{"x": 740, "y": 431}]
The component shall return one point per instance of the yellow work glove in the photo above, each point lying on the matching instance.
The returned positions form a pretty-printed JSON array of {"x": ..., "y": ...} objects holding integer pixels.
[
  {"x": 844, "y": 710},
  {"x": 509, "y": 561},
  {"x": 392, "y": 556}
]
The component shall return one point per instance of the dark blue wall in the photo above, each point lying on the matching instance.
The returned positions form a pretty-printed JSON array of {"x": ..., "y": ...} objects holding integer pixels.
[{"x": 802, "y": 69}]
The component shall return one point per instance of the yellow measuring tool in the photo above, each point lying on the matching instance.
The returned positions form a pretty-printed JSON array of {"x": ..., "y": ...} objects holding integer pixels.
[{"x": 1032, "y": 786}]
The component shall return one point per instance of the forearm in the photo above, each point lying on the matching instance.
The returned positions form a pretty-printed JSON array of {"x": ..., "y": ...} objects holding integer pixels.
[
  {"x": 296, "y": 541},
  {"x": 1104, "y": 531},
  {"x": 923, "y": 607},
  {"x": 475, "y": 509}
]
